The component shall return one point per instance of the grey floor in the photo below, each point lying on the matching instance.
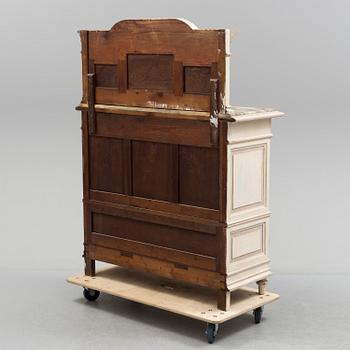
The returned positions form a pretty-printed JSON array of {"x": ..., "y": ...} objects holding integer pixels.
[{"x": 38, "y": 310}]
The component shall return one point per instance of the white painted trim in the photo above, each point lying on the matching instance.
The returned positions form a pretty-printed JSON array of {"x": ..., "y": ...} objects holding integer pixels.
[
  {"x": 232, "y": 285},
  {"x": 247, "y": 139},
  {"x": 253, "y": 217}
]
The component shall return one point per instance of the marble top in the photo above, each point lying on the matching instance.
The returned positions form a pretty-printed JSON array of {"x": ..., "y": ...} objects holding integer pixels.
[{"x": 239, "y": 113}]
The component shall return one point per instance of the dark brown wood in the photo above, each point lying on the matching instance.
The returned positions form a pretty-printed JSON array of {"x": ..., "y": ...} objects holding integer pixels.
[
  {"x": 91, "y": 64},
  {"x": 221, "y": 244},
  {"x": 156, "y": 217},
  {"x": 183, "y": 132},
  {"x": 197, "y": 80},
  {"x": 224, "y": 300},
  {"x": 154, "y": 171},
  {"x": 107, "y": 164},
  {"x": 106, "y": 75},
  {"x": 200, "y": 47},
  {"x": 122, "y": 74},
  {"x": 150, "y": 49},
  {"x": 174, "y": 170},
  {"x": 84, "y": 39},
  {"x": 161, "y": 235},
  {"x": 150, "y": 72},
  {"x": 174, "y": 208},
  {"x": 85, "y": 154},
  {"x": 166, "y": 269},
  {"x": 151, "y": 250},
  {"x": 127, "y": 167},
  {"x": 89, "y": 264},
  {"x": 178, "y": 78},
  {"x": 199, "y": 183},
  {"x": 91, "y": 102},
  {"x": 154, "y": 150}
]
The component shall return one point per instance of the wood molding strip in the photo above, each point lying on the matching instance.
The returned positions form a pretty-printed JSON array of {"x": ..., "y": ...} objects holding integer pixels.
[
  {"x": 156, "y": 217},
  {"x": 155, "y": 251},
  {"x": 154, "y": 204}
]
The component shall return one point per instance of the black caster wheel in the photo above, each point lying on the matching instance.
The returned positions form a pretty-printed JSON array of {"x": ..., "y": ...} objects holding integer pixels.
[
  {"x": 257, "y": 314},
  {"x": 91, "y": 294},
  {"x": 212, "y": 330}
]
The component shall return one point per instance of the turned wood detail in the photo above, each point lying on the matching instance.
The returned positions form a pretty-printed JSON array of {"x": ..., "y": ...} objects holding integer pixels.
[{"x": 262, "y": 286}]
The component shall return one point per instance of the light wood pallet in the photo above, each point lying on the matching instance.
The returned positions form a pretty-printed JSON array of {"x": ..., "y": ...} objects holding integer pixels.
[{"x": 177, "y": 297}]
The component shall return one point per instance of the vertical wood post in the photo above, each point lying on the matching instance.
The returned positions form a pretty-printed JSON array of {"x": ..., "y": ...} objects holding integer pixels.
[
  {"x": 224, "y": 300},
  {"x": 91, "y": 102},
  {"x": 90, "y": 267},
  {"x": 178, "y": 75},
  {"x": 84, "y": 38}
]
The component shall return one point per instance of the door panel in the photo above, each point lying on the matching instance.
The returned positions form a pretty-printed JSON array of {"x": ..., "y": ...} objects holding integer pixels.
[
  {"x": 199, "y": 176},
  {"x": 154, "y": 170},
  {"x": 106, "y": 164}
]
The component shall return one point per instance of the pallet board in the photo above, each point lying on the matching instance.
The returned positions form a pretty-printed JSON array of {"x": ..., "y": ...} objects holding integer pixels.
[{"x": 188, "y": 300}]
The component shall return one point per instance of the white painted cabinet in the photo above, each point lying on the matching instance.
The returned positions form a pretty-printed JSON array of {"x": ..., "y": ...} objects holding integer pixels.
[{"x": 248, "y": 213}]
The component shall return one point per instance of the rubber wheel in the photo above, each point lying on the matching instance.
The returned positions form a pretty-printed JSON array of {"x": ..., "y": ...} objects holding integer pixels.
[
  {"x": 211, "y": 332},
  {"x": 257, "y": 314},
  {"x": 91, "y": 294}
]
